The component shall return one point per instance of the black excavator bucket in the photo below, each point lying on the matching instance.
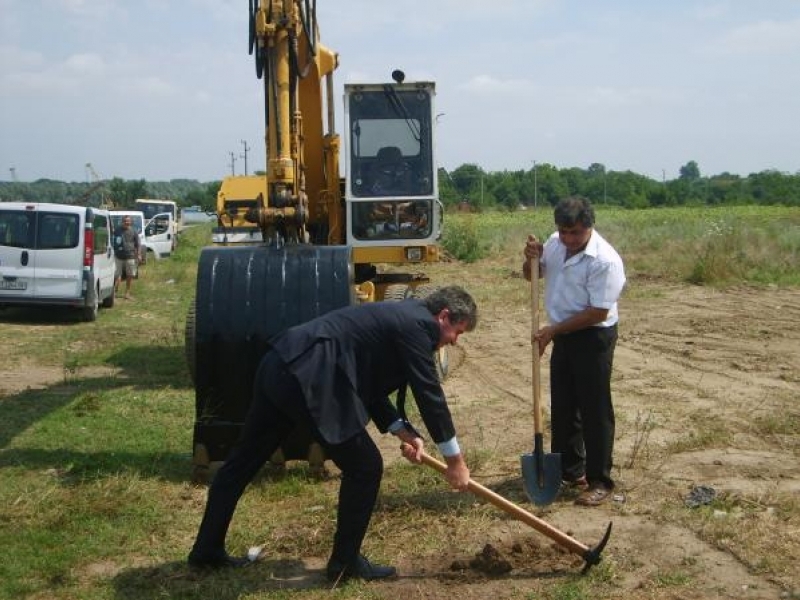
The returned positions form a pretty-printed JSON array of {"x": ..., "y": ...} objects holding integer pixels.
[{"x": 246, "y": 295}]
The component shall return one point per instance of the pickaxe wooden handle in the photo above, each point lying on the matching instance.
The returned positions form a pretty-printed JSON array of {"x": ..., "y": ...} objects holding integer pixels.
[{"x": 590, "y": 555}]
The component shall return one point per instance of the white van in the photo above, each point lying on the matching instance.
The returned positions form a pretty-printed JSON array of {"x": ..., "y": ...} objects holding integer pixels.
[
  {"x": 152, "y": 207},
  {"x": 56, "y": 254},
  {"x": 155, "y": 235}
]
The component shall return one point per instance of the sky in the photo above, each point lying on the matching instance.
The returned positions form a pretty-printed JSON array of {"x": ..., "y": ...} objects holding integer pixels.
[{"x": 165, "y": 89}]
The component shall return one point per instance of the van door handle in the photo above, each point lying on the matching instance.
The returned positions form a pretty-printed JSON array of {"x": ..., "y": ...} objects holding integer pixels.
[{"x": 23, "y": 259}]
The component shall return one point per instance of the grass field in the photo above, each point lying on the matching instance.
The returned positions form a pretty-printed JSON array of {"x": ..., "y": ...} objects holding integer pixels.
[{"x": 96, "y": 420}]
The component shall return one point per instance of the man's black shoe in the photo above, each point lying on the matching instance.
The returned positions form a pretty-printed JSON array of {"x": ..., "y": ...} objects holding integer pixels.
[
  {"x": 360, "y": 568},
  {"x": 218, "y": 561}
]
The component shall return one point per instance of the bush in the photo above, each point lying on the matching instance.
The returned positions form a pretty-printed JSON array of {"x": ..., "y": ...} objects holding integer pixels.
[{"x": 461, "y": 240}]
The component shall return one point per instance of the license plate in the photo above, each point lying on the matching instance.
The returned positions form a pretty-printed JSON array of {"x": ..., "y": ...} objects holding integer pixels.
[{"x": 13, "y": 285}]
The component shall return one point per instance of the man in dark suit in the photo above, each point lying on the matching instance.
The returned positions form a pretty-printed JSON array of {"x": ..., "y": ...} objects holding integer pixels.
[{"x": 333, "y": 375}]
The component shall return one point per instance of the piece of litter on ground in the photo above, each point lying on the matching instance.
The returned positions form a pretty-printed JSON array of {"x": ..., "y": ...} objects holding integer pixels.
[
  {"x": 253, "y": 553},
  {"x": 700, "y": 495}
]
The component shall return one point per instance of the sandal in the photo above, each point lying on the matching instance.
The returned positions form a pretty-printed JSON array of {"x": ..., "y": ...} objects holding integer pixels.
[
  {"x": 570, "y": 489},
  {"x": 594, "y": 496}
]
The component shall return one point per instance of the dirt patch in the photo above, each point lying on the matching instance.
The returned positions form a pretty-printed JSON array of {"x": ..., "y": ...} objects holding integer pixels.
[
  {"x": 37, "y": 377},
  {"x": 522, "y": 555},
  {"x": 705, "y": 382}
]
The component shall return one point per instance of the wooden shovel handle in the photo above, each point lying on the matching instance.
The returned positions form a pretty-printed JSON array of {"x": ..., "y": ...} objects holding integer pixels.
[
  {"x": 536, "y": 363},
  {"x": 515, "y": 511}
]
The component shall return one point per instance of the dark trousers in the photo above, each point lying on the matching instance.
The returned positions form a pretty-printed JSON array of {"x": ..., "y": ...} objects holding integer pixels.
[
  {"x": 580, "y": 403},
  {"x": 264, "y": 430}
]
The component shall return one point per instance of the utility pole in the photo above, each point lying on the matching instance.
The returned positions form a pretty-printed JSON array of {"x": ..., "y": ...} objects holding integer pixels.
[
  {"x": 13, "y": 171},
  {"x": 535, "y": 187},
  {"x": 244, "y": 156},
  {"x": 233, "y": 163}
]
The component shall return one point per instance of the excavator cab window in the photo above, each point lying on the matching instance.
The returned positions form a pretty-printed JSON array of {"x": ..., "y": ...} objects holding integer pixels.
[
  {"x": 390, "y": 143},
  {"x": 386, "y": 220}
]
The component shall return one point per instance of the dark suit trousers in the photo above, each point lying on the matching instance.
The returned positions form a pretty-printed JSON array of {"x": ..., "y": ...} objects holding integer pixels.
[
  {"x": 581, "y": 410},
  {"x": 264, "y": 430}
]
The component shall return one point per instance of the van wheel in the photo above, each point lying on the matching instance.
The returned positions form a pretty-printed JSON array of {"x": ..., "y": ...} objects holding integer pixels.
[
  {"x": 92, "y": 305},
  {"x": 108, "y": 301},
  {"x": 189, "y": 340}
]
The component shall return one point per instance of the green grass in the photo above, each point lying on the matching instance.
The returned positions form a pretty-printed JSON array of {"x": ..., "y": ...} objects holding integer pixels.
[
  {"x": 95, "y": 499},
  {"x": 719, "y": 246},
  {"x": 93, "y": 465}
]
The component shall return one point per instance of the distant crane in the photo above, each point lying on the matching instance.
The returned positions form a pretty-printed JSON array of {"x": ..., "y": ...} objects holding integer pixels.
[
  {"x": 91, "y": 173},
  {"x": 97, "y": 184}
]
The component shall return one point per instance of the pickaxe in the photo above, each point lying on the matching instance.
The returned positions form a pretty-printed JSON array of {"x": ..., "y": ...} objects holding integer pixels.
[{"x": 591, "y": 556}]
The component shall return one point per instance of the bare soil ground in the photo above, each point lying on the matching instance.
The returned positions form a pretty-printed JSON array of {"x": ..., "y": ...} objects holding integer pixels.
[
  {"x": 706, "y": 389},
  {"x": 706, "y": 386}
]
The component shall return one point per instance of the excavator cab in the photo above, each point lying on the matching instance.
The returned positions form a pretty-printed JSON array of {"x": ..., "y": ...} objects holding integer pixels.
[{"x": 391, "y": 192}]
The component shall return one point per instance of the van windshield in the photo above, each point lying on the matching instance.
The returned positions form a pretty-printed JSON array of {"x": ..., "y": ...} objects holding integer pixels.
[{"x": 151, "y": 209}]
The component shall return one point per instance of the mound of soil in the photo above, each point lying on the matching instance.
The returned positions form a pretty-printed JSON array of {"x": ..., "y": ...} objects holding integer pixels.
[{"x": 524, "y": 555}]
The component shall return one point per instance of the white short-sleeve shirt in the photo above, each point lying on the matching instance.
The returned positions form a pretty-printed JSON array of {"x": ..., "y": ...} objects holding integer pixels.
[{"x": 594, "y": 277}]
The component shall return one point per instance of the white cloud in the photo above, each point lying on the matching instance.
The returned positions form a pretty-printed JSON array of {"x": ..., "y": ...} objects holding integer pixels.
[
  {"x": 88, "y": 9},
  {"x": 145, "y": 88},
  {"x": 711, "y": 11},
  {"x": 618, "y": 97},
  {"x": 486, "y": 84},
  {"x": 763, "y": 38},
  {"x": 85, "y": 64},
  {"x": 15, "y": 59},
  {"x": 203, "y": 97}
]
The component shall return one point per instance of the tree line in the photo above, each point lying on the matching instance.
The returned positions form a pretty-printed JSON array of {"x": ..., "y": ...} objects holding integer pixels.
[
  {"x": 542, "y": 185},
  {"x": 116, "y": 192}
]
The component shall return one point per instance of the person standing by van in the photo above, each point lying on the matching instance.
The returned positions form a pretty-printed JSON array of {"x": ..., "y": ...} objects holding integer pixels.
[{"x": 126, "y": 252}]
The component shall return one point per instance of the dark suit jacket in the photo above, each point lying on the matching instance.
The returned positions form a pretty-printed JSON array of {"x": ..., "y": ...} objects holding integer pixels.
[{"x": 349, "y": 360}]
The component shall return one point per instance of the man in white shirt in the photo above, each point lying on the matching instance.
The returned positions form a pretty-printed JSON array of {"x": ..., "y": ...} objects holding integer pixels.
[{"x": 584, "y": 277}]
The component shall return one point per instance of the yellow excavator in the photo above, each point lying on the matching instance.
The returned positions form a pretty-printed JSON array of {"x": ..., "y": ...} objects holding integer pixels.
[{"x": 302, "y": 240}]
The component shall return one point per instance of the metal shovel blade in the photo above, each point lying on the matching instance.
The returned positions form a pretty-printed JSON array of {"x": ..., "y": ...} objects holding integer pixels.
[{"x": 541, "y": 475}]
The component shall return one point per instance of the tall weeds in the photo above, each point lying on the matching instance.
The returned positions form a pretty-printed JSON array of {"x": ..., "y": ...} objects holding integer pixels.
[{"x": 708, "y": 246}]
